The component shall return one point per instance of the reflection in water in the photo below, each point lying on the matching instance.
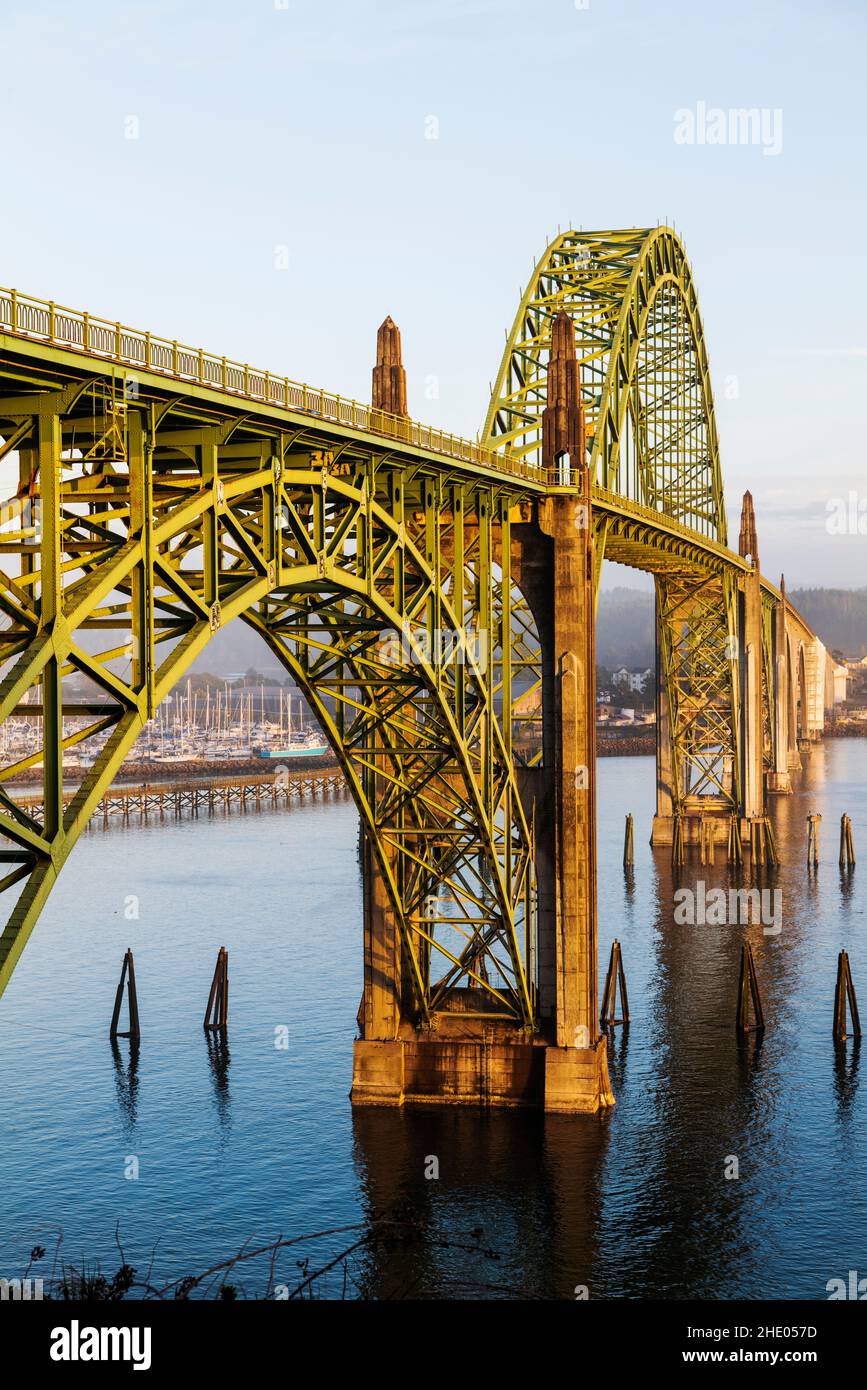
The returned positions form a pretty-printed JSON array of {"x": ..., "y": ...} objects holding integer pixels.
[
  {"x": 699, "y": 1105},
  {"x": 618, "y": 1055},
  {"x": 219, "y": 1059},
  {"x": 643, "y": 1202},
  {"x": 847, "y": 885},
  {"x": 629, "y": 884},
  {"x": 847, "y": 1061},
  {"x": 126, "y": 1080},
  {"x": 514, "y": 1211},
  {"x": 749, "y": 1063}
]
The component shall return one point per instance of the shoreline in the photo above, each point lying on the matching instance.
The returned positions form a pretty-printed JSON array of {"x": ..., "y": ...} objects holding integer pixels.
[{"x": 147, "y": 774}]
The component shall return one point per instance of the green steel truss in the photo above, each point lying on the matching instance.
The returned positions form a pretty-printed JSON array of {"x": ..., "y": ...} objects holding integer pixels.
[
  {"x": 698, "y": 656},
  {"x": 653, "y": 455},
  {"x": 164, "y": 492},
  {"x": 142, "y": 526},
  {"x": 645, "y": 382}
]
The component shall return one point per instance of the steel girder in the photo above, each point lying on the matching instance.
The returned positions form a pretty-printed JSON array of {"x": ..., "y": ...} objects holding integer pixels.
[{"x": 142, "y": 526}]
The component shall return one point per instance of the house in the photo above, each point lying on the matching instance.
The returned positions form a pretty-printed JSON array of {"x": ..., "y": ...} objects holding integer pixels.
[{"x": 632, "y": 680}]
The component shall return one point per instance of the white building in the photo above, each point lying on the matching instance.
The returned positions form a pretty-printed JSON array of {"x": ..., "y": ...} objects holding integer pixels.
[{"x": 632, "y": 680}]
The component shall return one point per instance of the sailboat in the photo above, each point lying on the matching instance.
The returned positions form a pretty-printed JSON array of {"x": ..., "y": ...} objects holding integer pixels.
[{"x": 300, "y": 744}]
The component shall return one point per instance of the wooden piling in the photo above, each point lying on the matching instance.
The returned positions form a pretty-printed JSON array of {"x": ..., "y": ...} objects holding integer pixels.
[
  {"x": 127, "y": 976},
  {"x": 763, "y": 846},
  {"x": 734, "y": 853},
  {"x": 707, "y": 840},
  {"x": 609, "y": 998},
  {"x": 217, "y": 1012},
  {"x": 677, "y": 841},
  {"x": 813, "y": 823},
  {"x": 757, "y": 830},
  {"x": 748, "y": 989},
  {"x": 629, "y": 843},
  {"x": 845, "y": 991},
  {"x": 847, "y": 844}
]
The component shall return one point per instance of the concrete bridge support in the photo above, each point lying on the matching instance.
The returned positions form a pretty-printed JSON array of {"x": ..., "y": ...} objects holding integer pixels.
[
  {"x": 665, "y": 770},
  {"x": 576, "y": 1062},
  {"x": 779, "y": 776},
  {"x": 751, "y": 706},
  {"x": 752, "y": 765},
  {"x": 462, "y": 1059}
]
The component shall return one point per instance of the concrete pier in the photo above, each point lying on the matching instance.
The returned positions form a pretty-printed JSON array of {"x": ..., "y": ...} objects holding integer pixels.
[{"x": 460, "y": 1059}]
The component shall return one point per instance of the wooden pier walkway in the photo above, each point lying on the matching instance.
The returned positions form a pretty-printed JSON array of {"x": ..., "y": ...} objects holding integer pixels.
[{"x": 253, "y": 792}]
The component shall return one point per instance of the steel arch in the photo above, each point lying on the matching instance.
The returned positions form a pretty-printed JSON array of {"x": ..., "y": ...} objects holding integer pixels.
[
  {"x": 167, "y": 544},
  {"x": 652, "y": 445}
]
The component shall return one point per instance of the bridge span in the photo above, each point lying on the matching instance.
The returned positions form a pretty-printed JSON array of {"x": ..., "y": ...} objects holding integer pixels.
[{"x": 425, "y": 592}]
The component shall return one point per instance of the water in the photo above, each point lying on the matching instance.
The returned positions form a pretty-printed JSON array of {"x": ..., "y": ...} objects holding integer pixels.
[{"x": 254, "y": 1141}]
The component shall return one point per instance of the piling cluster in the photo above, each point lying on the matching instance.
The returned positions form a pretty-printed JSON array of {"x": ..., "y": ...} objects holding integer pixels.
[
  {"x": 847, "y": 1022},
  {"x": 216, "y": 1013}
]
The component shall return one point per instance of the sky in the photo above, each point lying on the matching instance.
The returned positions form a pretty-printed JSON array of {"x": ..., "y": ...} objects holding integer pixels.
[{"x": 268, "y": 179}]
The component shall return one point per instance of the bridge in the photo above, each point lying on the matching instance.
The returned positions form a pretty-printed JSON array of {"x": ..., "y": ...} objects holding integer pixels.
[{"x": 434, "y": 598}]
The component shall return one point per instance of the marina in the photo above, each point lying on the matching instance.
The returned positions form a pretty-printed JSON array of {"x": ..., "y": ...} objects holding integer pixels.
[{"x": 206, "y": 723}]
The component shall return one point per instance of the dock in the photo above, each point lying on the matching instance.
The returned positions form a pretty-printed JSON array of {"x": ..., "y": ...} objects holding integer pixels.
[{"x": 220, "y": 795}]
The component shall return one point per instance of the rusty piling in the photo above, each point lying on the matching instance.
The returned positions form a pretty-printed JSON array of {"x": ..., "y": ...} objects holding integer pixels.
[
  {"x": 844, "y": 992},
  {"x": 217, "y": 1012},
  {"x": 127, "y": 977},
  {"x": 615, "y": 975},
  {"x": 629, "y": 843},
  {"x": 748, "y": 990},
  {"x": 847, "y": 844}
]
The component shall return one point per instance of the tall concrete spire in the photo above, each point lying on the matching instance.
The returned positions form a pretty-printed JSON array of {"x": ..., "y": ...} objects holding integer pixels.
[
  {"x": 389, "y": 377},
  {"x": 563, "y": 418},
  {"x": 748, "y": 542}
]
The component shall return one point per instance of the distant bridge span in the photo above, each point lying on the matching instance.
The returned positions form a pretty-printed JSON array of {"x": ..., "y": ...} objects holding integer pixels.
[{"x": 419, "y": 588}]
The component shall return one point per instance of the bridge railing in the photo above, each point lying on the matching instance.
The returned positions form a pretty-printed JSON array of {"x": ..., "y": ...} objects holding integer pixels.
[
  {"x": 658, "y": 516},
  {"x": 72, "y": 329}
]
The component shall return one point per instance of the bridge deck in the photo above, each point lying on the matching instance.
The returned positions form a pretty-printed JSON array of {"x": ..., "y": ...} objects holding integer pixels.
[{"x": 52, "y": 334}]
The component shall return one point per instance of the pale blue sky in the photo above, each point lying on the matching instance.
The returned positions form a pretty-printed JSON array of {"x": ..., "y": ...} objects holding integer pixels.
[{"x": 304, "y": 126}]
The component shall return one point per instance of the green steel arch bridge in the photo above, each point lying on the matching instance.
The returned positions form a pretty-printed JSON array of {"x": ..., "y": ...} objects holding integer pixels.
[{"x": 434, "y": 599}]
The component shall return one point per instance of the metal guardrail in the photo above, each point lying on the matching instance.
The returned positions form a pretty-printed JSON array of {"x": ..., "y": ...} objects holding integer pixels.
[
  {"x": 657, "y": 517},
  {"x": 45, "y": 321}
]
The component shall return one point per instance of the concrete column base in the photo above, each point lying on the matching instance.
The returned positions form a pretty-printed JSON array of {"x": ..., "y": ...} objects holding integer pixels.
[
  {"x": 576, "y": 1079},
  {"x": 779, "y": 783},
  {"x": 662, "y": 832},
  {"x": 377, "y": 1073},
  {"x": 451, "y": 1071}
]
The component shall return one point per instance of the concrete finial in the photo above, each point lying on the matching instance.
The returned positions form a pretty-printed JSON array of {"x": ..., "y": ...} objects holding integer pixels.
[
  {"x": 389, "y": 377},
  {"x": 748, "y": 542}
]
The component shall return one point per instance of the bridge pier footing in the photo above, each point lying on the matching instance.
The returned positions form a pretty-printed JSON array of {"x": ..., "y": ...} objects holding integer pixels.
[
  {"x": 464, "y": 1071},
  {"x": 662, "y": 831},
  {"x": 779, "y": 783}
]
